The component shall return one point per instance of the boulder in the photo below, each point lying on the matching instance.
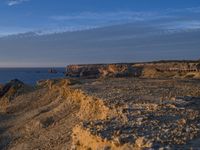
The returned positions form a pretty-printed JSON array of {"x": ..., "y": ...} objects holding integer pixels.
[{"x": 10, "y": 89}]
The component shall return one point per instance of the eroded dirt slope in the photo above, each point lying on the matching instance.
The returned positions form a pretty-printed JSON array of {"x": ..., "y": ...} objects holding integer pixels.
[
  {"x": 113, "y": 113},
  {"x": 43, "y": 118}
]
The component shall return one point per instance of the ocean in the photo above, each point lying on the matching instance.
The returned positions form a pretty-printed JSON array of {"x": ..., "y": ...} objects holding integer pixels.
[{"x": 29, "y": 75}]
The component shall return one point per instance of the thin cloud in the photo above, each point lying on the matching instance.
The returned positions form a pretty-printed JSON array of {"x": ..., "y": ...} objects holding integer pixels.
[
  {"x": 172, "y": 20},
  {"x": 102, "y": 19},
  {"x": 194, "y": 9},
  {"x": 169, "y": 20},
  {"x": 15, "y": 2},
  {"x": 116, "y": 16},
  {"x": 189, "y": 9},
  {"x": 182, "y": 25},
  {"x": 125, "y": 15}
]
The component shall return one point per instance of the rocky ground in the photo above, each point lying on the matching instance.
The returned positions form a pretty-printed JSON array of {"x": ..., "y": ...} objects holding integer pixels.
[
  {"x": 110, "y": 113},
  {"x": 149, "y": 113}
]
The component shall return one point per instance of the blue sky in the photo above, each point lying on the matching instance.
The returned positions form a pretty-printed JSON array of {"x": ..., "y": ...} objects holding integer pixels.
[
  {"x": 53, "y": 15},
  {"x": 113, "y": 20}
]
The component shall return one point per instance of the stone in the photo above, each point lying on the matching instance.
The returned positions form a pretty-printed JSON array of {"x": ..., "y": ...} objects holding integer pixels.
[{"x": 11, "y": 88}]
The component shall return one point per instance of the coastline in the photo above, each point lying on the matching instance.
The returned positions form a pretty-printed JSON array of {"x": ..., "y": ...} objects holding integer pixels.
[{"x": 110, "y": 112}]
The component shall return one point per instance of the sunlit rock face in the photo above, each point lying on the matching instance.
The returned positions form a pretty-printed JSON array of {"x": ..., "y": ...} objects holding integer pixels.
[
  {"x": 178, "y": 69},
  {"x": 103, "y": 70},
  {"x": 11, "y": 88}
]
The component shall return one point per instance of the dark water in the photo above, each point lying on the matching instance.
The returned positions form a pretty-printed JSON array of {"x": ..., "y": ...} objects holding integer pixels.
[{"x": 28, "y": 75}]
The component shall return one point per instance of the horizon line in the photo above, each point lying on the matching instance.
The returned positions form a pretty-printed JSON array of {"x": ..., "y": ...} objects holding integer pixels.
[{"x": 134, "y": 62}]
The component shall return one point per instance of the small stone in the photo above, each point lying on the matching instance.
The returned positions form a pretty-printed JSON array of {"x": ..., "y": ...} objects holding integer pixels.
[
  {"x": 173, "y": 98},
  {"x": 141, "y": 142},
  {"x": 181, "y": 122},
  {"x": 187, "y": 129}
]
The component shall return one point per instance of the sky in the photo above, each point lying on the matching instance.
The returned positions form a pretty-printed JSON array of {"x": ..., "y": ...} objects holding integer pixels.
[{"x": 40, "y": 33}]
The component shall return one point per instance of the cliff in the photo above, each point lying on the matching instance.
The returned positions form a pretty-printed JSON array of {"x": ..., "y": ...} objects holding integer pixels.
[
  {"x": 178, "y": 69},
  {"x": 103, "y": 70}
]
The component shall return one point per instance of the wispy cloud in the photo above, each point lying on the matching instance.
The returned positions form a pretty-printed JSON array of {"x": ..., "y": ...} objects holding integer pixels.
[
  {"x": 126, "y": 15},
  {"x": 15, "y": 2},
  {"x": 173, "y": 20},
  {"x": 111, "y": 16},
  {"x": 102, "y": 19},
  {"x": 186, "y": 10},
  {"x": 4, "y": 31},
  {"x": 182, "y": 25},
  {"x": 170, "y": 19}
]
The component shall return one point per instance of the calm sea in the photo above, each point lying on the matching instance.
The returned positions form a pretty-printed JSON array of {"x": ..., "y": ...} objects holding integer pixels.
[{"x": 28, "y": 75}]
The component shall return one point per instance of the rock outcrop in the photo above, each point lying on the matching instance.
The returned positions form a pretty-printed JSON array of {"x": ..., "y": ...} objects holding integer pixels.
[
  {"x": 103, "y": 70},
  {"x": 177, "y": 69},
  {"x": 11, "y": 88}
]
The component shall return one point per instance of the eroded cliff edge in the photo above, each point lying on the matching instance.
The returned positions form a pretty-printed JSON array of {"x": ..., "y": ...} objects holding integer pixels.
[
  {"x": 160, "y": 69},
  {"x": 43, "y": 117}
]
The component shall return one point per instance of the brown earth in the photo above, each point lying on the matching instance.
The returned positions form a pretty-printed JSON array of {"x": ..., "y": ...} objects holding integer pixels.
[
  {"x": 44, "y": 117},
  {"x": 106, "y": 113}
]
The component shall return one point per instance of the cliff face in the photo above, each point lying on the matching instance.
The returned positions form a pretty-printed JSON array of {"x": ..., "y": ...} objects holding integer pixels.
[
  {"x": 152, "y": 70},
  {"x": 103, "y": 70}
]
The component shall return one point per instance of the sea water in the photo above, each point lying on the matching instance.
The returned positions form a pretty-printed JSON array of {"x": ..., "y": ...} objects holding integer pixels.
[{"x": 29, "y": 75}]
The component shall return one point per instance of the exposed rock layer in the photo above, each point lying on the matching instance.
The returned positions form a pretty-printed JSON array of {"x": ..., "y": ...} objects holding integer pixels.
[{"x": 178, "y": 69}]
